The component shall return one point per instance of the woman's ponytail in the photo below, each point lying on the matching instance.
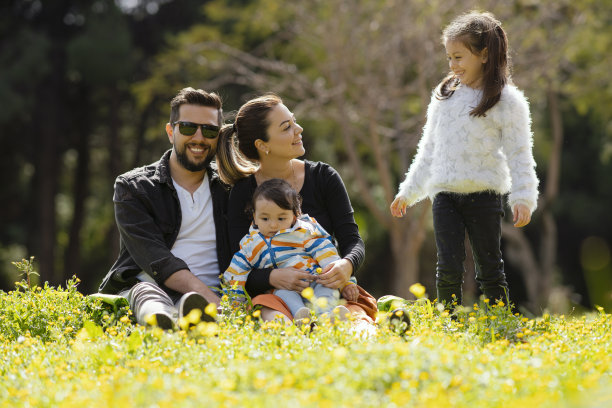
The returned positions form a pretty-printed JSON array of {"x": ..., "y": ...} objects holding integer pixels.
[{"x": 231, "y": 164}]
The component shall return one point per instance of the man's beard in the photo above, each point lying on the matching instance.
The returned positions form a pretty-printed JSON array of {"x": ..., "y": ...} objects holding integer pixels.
[{"x": 184, "y": 161}]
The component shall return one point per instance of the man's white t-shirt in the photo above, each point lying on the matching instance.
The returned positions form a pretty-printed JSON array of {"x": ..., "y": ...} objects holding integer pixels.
[{"x": 196, "y": 243}]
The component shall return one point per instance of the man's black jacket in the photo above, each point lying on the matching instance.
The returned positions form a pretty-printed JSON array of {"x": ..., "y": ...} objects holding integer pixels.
[{"x": 148, "y": 216}]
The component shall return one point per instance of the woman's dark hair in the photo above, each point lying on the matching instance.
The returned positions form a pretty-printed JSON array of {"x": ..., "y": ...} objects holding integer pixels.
[
  {"x": 477, "y": 31},
  {"x": 280, "y": 193},
  {"x": 236, "y": 151}
]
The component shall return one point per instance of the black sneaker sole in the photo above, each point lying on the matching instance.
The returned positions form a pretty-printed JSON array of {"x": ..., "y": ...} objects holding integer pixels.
[
  {"x": 195, "y": 301},
  {"x": 164, "y": 321}
]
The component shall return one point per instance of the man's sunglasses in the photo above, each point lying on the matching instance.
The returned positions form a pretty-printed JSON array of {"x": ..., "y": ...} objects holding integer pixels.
[{"x": 190, "y": 129}]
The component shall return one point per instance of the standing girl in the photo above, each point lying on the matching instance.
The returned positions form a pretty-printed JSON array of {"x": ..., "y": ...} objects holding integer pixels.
[{"x": 476, "y": 147}]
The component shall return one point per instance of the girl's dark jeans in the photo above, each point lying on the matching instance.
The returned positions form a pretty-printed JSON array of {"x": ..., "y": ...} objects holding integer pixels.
[{"x": 479, "y": 214}]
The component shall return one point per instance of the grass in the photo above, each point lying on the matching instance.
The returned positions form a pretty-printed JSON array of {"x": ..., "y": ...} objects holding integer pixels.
[{"x": 60, "y": 348}]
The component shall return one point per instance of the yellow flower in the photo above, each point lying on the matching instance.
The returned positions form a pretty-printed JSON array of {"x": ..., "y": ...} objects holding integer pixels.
[
  {"x": 211, "y": 309},
  {"x": 318, "y": 270},
  {"x": 208, "y": 328},
  {"x": 308, "y": 293},
  {"x": 417, "y": 290},
  {"x": 340, "y": 353},
  {"x": 195, "y": 315},
  {"x": 322, "y": 302}
]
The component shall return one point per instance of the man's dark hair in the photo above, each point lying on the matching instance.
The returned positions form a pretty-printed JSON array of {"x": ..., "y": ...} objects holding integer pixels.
[{"x": 190, "y": 96}]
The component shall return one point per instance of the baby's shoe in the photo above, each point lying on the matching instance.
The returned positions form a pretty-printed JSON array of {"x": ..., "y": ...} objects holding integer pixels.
[
  {"x": 302, "y": 315},
  {"x": 341, "y": 313}
]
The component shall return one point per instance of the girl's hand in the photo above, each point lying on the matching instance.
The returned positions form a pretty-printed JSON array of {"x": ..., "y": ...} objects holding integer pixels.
[
  {"x": 336, "y": 274},
  {"x": 521, "y": 215},
  {"x": 290, "y": 279},
  {"x": 398, "y": 206},
  {"x": 350, "y": 292}
]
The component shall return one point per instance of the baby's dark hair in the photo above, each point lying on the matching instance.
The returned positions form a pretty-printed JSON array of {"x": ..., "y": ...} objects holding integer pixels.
[
  {"x": 479, "y": 31},
  {"x": 280, "y": 193}
]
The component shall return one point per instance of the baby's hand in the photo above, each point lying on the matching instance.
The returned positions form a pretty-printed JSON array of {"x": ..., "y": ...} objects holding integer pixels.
[
  {"x": 398, "y": 206},
  {"x": 350, "y": 292}
]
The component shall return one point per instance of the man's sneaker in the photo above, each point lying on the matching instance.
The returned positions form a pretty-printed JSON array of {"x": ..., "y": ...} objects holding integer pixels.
[
  {"x": 161, "y": 320},
  {"x": 192, "y": 300}
]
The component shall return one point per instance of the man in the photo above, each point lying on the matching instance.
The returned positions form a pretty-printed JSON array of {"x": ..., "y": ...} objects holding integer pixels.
[{"x": 171, "y": 217}]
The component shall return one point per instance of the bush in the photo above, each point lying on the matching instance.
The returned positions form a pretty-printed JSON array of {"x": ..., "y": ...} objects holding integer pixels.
[{"x": 48, "y": 313}]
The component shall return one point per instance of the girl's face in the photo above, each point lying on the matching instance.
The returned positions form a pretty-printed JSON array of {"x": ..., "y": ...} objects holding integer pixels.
[
  {"x": 270, "y": 218},
  {"x": 468, "y": 67},
  {"x": 284, "y": 134}
]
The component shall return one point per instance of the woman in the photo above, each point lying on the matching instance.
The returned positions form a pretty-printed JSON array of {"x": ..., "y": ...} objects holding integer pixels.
[{"x": 264, "y": 143}]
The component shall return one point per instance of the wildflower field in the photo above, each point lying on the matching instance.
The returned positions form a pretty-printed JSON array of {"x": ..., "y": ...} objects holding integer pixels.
[{"x": 60, "y": 348}]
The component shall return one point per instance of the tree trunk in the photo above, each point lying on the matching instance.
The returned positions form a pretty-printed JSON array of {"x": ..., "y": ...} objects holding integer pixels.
[
  {"x": 518, "y": 251},
  {"x": 114, "y": 161},
  {"x": 548, "y": 250},
  {"x": 72, "y": 256},
  {"x": 47, "y": 166},
  {"x": 407, "y": 237}
]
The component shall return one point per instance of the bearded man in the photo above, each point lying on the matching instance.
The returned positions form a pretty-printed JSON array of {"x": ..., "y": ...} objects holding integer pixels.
[{"x": 171, "y": 217}]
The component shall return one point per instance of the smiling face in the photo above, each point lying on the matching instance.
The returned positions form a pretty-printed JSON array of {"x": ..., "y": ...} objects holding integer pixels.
[
  {"x": 270, "y": 218},
  {"x": 467, "y": 66},
  {"x": 195, "y": 152},
  {"x": 284, "y": 134}
]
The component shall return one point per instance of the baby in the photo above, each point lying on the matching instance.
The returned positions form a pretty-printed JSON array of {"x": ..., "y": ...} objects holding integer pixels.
[{"x": 281, "y": 236}]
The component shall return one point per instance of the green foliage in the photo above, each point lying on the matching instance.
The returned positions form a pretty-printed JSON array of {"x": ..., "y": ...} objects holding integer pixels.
[
  {"x": 23, "y": 63},
  {"x": 114, "y": 57},
  {"x": 51, "y": 314},
  {"x": 242, "y": 361}
]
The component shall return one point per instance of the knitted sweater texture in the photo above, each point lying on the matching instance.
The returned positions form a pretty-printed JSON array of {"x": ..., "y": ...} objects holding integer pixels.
[{"x": 465, "y": 154}]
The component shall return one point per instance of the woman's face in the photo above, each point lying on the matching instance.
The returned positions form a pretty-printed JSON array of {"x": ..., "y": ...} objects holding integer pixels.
[{"x": 284, "y": 134}]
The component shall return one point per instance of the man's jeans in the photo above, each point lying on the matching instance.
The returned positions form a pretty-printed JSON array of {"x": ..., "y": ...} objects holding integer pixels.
[
  {"x": 147, "y": 298},
  {"x": 479, "y": 214}
]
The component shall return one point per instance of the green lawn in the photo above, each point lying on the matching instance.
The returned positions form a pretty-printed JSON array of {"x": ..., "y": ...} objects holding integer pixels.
[{"x": 62, "y": 349}]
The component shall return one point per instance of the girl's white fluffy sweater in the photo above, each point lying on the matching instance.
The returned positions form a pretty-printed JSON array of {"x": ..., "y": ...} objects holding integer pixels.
[{"x": 466, "y": 154}]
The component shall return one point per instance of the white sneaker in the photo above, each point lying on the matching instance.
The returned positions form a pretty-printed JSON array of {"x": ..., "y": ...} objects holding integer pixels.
[
  {"x": 341, "y": 313},
  {"x": 302, "y": 315}
]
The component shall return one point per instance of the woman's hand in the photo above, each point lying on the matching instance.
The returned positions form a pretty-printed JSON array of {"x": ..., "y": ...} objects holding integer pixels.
[
  {"x": 290, "y": 279},
  {"x": 336, "y": 274},
  {"x": 350, "y": 292},
  {"x": 398, "y": 206},
  {"x": 521, "y": 215}
]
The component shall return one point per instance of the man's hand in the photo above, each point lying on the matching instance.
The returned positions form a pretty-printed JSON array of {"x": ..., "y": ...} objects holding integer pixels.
[
  {"x": 290, "y": 279},
  {"x": 184, "y": 281},
  {"x": 336, "y": 274},
  {"x": 521, "y": 215}
]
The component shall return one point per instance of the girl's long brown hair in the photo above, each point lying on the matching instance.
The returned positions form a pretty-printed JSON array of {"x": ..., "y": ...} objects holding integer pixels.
[{"x": 477, "y": 31}]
